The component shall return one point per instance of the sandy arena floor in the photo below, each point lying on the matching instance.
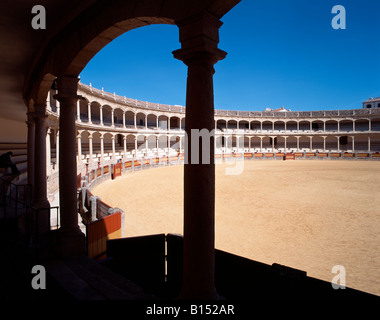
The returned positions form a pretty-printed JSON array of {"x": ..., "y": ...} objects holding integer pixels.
[{"x": 306, "y": 214}]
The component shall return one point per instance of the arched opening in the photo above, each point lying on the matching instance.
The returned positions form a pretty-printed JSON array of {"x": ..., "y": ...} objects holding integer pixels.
[
  {"x": 331, "y": 126},
  {"x": 107, "y": 115},
  {"x": 304, "y": 125},
  {"x": 140, "y": 120},
  {"x": 255, "y": 125},
  {"x": 95, "y": 112},
  {"x": 331, "y": 143},
  {"x": 375, "y": 125},
  {"x": 279, "y": 126},
  {"x": 130, "y": 143},
  {"x": 267, "y": 126},
  {"x": 291, "y": 126},
  {"x": 256, "y": 143},
  {"x": 317, "y": 144},
  {"x": 317, "y": 125},
  {"x": 129, "y": 119},
  {"x": 291, "y": 144},
  {"x": 163, "y": 122},
  {"x": 96, "y": 147},
  {"x": 232, "y": 124},
  {"x": 83, "y": 110},
  {"x": 362, "y": 125},
  {"x": 152, "y": 121},
  {"x": 221, "y": 124},
  {"x": 118, "y": 117},
  {"x": 174, "y": 123},
  {"x": 243, "y": 125},
  {"x": 346, "y": 125}
]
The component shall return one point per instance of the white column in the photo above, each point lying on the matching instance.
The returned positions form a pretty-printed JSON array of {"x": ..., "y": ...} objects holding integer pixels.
[
  {"x": 113, "y": 147},
  {"x": 79, "y": 143},
  {"x": 353, "y": 143},
  {"x": 123, "y": 119},
  {"x": 48, "y": 153},
  {"x": 135, "y": 120},
  {"x": 125, "y": 146},
  {"x": 89, "y": 112},
  {"x": 146, "y": 121},
  {"x": 102, "y": 147},
  {"x": 135, "y": 146},
  {"x": 57, "y": 150},
  {"x": 338, "y": 143},
  {"x": 157, "y": 144},
  {"x": 369, "y": 144},
  {"x": 285, "y": 141},
  {"x": 324, "y": 144},
  {"x": 78, "y": 111},
  {"x": 112, "y": 120},
  {"x": 90, "y": 147},
  {"x": 101, "y": 115}
]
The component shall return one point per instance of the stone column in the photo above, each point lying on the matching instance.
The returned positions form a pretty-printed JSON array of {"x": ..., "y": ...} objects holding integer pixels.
[
  {"x": 89, "y": 111},
  {"x": 79, "y": 146},
  {"x": 48, "y": 152},
  {"x": 125, "y": 146},
  {"x": 199, "y": 39},
  {"x": 113, "y": 147},
  {"x": 324, "y": 143},
  {"x": 31, "y": 146},
  {"x": 78, "y": 111},
  {"x": 369, "y": 144},
  {"x": 157, "y": 144},
  {"x": 90, "y": 148},
  {"x": 40, "y": 177},
  {"x": 112, "y": 118},
  {"x": 102, "y": 148},
  {"x": 124, "y": 119},
  {"x": 101, "y": 115},
  {"x": 72, "y": 240},
  {"x": 135, "y": 146}
]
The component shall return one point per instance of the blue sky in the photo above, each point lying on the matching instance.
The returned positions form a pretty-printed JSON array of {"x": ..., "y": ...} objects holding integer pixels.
[{"x": 280, "y": 53}]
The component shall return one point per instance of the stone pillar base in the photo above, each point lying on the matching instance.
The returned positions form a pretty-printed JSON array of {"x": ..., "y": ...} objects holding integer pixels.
[{"x": 71, "y": 244}]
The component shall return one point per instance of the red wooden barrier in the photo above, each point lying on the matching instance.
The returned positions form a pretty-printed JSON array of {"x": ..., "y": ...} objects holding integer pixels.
[
  {"x": 99, "y": 231},
  {"x": 117, "y": 170}
]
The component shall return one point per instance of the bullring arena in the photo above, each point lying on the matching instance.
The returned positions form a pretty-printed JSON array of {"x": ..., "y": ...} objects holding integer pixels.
[
  {"x": 311, "y": 214},
  {"x": 284, "y": 208}
]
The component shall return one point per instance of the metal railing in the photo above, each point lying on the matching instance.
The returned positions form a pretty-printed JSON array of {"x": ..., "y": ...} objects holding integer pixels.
[{"x": 33, "y": 224}]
